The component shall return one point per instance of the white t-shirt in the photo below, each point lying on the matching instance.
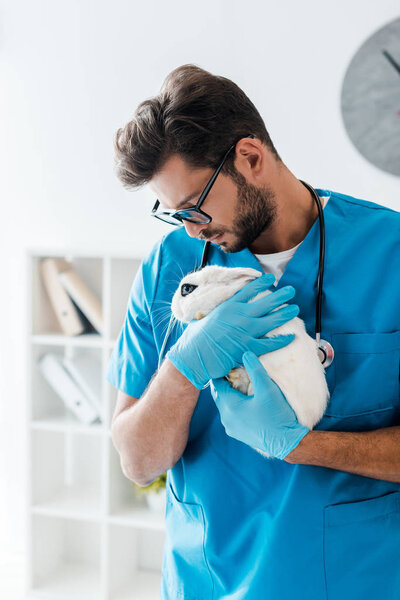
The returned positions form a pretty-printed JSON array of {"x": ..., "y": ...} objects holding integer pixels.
[{"x": 276, "y": 263}]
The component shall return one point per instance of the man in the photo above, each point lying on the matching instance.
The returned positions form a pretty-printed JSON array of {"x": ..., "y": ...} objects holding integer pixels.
[{"x": 321, "y": 519}]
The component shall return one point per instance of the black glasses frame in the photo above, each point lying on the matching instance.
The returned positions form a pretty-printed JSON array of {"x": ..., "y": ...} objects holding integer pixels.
[{"x": 182, "y": 214}]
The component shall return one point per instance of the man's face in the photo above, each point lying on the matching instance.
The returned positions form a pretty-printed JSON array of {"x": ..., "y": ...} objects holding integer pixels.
[{"x": 240, "y": 211}]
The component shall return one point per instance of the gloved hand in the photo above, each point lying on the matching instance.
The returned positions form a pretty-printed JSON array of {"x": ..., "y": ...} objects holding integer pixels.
[
  {"x": 210, "y": 347},
  {"x": 264, "y": 421}
]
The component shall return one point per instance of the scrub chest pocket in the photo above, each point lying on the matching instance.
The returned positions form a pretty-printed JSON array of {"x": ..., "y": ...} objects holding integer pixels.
[
  {"x": 361, "y": 549},
  {"x": 364, "y": 381}
]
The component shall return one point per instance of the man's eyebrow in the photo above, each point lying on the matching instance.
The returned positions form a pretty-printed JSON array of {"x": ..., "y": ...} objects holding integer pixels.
[{"x": 188, "y": 199}]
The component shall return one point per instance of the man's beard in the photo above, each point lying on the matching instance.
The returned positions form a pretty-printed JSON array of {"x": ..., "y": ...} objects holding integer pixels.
[{"x": 256, "y": 211}]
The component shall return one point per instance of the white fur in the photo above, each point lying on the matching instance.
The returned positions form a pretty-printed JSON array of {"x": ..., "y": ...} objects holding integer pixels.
[{"x": 295, "y": 368}]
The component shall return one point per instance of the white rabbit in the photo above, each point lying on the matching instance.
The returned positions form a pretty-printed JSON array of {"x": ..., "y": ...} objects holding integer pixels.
[{"x": 295, "y": 368}]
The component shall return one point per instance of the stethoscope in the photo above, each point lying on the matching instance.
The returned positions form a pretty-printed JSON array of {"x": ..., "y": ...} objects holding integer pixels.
[{"x": 325, "y": 349}]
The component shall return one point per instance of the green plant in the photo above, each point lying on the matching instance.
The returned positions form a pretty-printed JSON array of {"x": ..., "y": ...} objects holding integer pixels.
[{"x": 155, "y": 486}]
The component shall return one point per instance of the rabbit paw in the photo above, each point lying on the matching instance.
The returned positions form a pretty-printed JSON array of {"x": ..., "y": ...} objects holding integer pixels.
[{"x": 239, "y": 379}]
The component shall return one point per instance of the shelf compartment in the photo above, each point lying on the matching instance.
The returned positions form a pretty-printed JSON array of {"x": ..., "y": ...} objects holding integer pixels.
[
  {"x": 43, "y": 318},
  {"x": 46, "y": 404},
  {"x": 67, "y": 476},
  {"x": 65, "y": 559},
  {"x": 135, "y": 563}
]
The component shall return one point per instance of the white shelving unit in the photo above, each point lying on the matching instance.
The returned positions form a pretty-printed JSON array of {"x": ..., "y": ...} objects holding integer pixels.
[{"x": 90, "y": 536}]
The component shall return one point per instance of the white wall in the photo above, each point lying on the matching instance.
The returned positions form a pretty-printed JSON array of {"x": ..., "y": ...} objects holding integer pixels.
[{"x": 73, "y": 72}]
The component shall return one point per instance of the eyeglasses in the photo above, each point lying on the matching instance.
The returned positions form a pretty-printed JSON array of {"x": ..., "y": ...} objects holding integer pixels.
[{"x": 193, "y": 214}]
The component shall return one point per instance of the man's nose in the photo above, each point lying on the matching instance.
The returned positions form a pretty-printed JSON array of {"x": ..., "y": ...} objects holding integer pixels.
[{"x": 194, "y": 229}]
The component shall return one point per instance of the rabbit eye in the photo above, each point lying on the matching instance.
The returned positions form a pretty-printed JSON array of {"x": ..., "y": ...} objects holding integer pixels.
[{"x": 187, "y": 288}]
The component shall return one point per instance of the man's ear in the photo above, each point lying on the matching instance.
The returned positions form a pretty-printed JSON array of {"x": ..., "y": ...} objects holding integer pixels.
[{"x": 250, "y": 157}]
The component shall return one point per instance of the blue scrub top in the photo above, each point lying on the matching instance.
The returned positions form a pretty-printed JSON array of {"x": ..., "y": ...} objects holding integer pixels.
[{"x": 239, "y": 525}]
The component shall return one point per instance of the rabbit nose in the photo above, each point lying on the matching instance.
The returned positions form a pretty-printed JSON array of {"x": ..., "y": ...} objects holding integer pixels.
[{"x": 187, "y": 288}]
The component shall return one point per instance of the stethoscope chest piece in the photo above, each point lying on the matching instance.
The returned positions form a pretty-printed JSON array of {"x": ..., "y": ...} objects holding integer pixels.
[{"x": 325, "y": 353}]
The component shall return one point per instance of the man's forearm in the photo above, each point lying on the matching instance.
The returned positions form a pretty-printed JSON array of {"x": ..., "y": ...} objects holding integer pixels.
[
  {"x": 373, "y": 454},
  {"x": 152, "y": 434}
]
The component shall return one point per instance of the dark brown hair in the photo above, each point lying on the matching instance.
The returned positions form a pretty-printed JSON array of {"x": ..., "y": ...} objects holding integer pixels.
[{"x": 196, "y": 115}]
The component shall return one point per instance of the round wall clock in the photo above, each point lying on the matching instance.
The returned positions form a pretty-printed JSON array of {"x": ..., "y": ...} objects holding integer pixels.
[{"x": 370, "y": 99}]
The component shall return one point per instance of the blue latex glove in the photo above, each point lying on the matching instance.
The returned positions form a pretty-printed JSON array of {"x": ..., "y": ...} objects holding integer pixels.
[
  {"x": 264, "y": 421},
  {"x": 210, "y": 347}
]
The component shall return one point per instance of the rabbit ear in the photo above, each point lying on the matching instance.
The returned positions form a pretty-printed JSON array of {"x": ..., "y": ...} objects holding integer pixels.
[{"x": 244, "y": 272}]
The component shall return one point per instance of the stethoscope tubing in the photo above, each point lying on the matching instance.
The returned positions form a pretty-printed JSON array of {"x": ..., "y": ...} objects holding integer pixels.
[{"x": 321, "y": 259}]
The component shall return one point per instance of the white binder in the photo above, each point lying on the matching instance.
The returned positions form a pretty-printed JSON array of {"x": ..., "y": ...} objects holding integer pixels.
[
  {"x": 85, "y": 369},
  {"x": 67, "y": 389}
]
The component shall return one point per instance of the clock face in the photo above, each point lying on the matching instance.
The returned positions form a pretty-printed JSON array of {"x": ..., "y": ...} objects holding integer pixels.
[{"x": 370, "y": 100}]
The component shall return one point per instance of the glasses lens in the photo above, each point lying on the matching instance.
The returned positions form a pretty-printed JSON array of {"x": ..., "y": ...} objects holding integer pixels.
[{"x": 193, "y": 215}]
